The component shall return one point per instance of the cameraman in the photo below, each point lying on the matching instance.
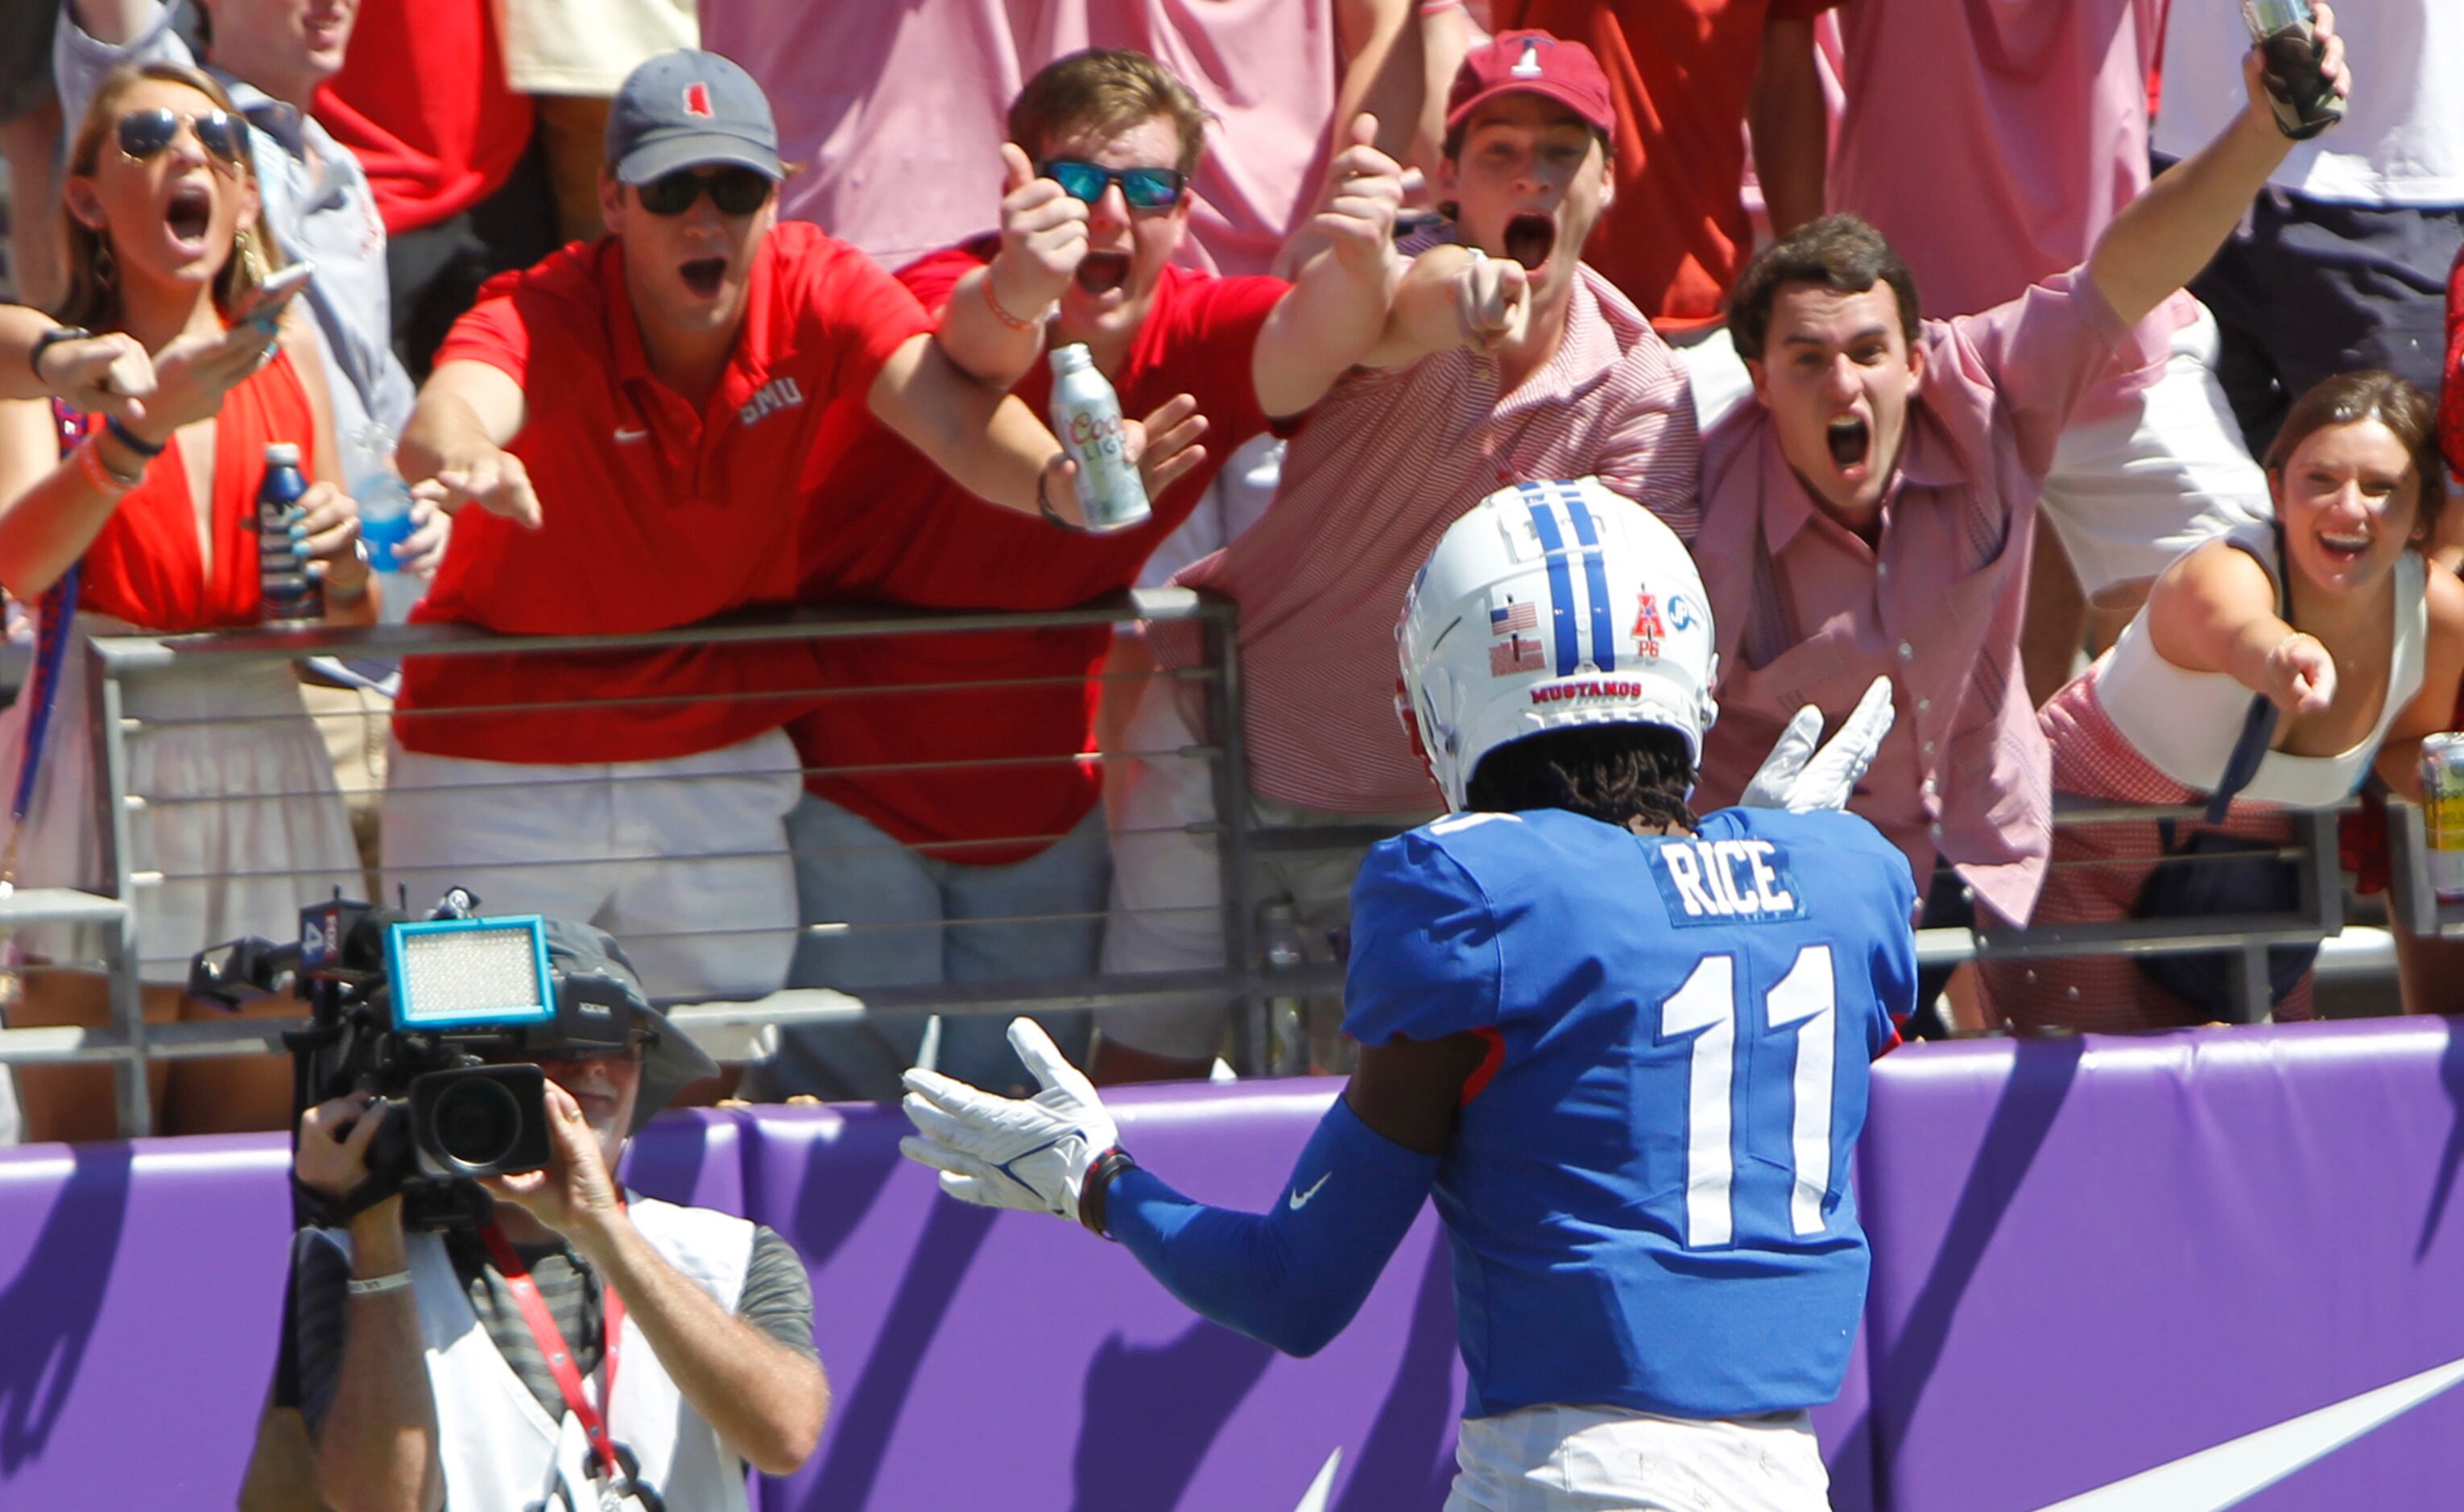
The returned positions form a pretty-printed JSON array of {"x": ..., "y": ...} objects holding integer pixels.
[{"x": 474, "y": 1366}]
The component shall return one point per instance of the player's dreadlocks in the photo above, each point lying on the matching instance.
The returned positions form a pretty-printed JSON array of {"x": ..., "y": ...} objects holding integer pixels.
[{"x": 1613, "y": 772}]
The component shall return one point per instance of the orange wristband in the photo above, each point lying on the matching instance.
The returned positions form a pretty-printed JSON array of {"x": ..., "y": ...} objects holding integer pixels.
[{"x": 992, "y": 302}]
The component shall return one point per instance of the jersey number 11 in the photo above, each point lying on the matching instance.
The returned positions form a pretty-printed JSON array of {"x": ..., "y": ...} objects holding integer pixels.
[{"x": 1802, "y": 1003}]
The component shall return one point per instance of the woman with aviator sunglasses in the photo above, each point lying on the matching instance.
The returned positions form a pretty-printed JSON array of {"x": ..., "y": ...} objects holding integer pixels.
[{"x": 156, "y": 517}]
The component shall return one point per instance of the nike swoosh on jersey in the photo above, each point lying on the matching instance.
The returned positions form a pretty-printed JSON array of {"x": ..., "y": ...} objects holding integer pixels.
[
  {"x": 2232, "y": 1472},
  {"x": 624, "y": 434},
  {"x": 1300, "y": 1199}
]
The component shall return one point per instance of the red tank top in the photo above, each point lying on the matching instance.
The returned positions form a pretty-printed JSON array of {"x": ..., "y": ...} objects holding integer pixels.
[{"x": 146, "y": 567}]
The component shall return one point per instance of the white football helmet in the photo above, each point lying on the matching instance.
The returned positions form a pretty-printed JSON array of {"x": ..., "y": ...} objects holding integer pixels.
[{"x": 1547, "y": 605}]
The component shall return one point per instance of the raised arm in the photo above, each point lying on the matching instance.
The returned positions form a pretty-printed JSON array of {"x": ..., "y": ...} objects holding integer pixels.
[
  {"x": 992, "y": 329},
  {"x": 377, "y": 1441},
  {"x": 1453, "y": 297},
  {"x": 452, "y": 450},
  {"x": 765, "y": 1401},
  {"x": 1791, "y": 129},
  {"x": 2161, "y": 239},
  {"x": 1337, "y": 307}
]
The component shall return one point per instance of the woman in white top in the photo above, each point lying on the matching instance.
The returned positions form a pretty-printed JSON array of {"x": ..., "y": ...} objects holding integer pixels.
[{"x": 2367, "y": 665}]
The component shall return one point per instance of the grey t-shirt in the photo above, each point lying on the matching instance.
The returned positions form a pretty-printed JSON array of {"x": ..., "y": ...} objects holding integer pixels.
[
  {"x": 317, "y": 204},
  {"x": 777, "y": 1300}
]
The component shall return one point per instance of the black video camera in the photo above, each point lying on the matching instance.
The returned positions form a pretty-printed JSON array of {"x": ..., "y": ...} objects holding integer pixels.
[{"x": 444, "y": 1018}]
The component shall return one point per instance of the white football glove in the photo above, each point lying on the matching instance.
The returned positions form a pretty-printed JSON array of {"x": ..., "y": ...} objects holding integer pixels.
[
  {"x": 1028, "y": 1154},
  {"x": 1800, "y": 779}
]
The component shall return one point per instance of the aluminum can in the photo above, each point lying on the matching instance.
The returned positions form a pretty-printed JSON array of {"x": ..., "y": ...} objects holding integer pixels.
[
  {"x": 1086, "y": 417},
  {"x": 2303, "y": 101},
  {"x": 2442, "y": 813}
]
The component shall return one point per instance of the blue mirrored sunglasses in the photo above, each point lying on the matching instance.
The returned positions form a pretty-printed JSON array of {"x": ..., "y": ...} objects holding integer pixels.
[{"x": 1142, "y": 189}]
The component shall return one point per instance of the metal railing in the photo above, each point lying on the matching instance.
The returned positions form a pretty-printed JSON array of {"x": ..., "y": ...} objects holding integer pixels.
[{"x": 1247, "y": 982}]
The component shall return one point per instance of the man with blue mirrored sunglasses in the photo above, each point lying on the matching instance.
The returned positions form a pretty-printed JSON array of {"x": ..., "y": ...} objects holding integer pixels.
[{"x": 1085, "y": 253}]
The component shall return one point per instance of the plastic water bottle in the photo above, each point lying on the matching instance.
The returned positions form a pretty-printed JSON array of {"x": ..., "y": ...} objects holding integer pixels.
[
  {"x": 289, "y": 595},
  {"x": 1086, "y": 417},
  {"x": 385, "y": 517},
  {"x": 1288, "y": 1047}
]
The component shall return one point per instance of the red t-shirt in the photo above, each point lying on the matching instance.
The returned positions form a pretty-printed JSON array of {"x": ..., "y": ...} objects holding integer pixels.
[
  {"x": 656, "y": 515},
  {"x": 888, "y": 526},
  {"x": 146, "y": 565},
  {"x": 2451, "y": 399},
  {"x": 1680, "y": 73},
  {"x": 421, "y": 102}
]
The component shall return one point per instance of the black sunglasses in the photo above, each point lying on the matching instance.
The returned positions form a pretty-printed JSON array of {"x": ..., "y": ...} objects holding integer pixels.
[
  {"x": 1143, "y": 189},
  {"x": 143, "y": 133},
  {"x": 735, "y": 192}
]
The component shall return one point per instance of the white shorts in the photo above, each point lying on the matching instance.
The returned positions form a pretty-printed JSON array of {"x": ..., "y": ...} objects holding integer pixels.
[
  {"x": 1167, "y": 904},
  {"x": 684, "y": 860},
  {"x": 2134, "y": 489},
  {"x": 1611, "y": 1459},
  {"x": 243, "y": 823}
]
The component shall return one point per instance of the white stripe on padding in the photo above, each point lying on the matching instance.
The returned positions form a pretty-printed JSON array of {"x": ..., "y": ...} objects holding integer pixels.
[
  {"x": 2213, "y": 1480},
  {"x": 1322, "y": 1489}
]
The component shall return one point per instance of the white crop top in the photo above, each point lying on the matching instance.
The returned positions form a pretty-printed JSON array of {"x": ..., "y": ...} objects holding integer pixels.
[{"x": 2185, "y": 723}]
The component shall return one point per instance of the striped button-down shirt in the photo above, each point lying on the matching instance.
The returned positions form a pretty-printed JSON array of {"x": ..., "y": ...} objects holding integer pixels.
[
  {"x": 1807, "y": 613},
  {"x": 1383, "y": 465}
]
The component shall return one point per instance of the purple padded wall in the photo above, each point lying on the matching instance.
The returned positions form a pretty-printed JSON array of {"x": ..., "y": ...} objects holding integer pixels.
[
  {"x": 140, "y": 1287},
  {"x": 2096, "y": 1257},
  {"x": 1010, "y": 1360}
]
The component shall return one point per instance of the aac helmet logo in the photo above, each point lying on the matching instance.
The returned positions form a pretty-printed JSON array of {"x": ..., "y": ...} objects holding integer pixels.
[{"x": 698, "y": 101}]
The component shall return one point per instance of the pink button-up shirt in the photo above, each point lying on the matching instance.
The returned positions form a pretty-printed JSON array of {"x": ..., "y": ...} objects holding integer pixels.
[{"x": 1809, "y": 614}]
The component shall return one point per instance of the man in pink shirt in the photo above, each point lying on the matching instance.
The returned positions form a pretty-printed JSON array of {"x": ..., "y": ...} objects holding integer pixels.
[
  {"x": 1507, "y": 359},
  {"x": 1872, "y": 511},
  {"x": 2034, "y": 122}
]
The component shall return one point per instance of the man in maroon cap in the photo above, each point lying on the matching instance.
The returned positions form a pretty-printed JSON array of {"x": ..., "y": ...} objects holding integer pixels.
[{"x": 1506, "y": 361}]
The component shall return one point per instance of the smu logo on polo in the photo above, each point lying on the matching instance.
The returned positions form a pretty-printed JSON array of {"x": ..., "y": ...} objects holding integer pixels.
[
  {"x": 1727, "y": 881},
  {"x": 779, "y": 393}
]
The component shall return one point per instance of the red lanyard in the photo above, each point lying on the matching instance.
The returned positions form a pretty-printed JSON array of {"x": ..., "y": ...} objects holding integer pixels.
[{"x": 560, "y": 1359}]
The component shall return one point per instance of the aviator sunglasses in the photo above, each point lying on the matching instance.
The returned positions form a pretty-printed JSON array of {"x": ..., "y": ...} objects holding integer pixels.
[
  {"x": 735, "y": 192},
  {"x": 1145, "y": 190},
  {"x": 144, "y": 133}
]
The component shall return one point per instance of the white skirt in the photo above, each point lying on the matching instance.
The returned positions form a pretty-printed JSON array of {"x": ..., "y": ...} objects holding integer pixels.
[{"x": 242, "y": 820}]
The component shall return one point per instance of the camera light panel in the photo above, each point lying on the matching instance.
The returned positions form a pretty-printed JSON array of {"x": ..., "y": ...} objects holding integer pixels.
[{"x": 452, "y": 972}]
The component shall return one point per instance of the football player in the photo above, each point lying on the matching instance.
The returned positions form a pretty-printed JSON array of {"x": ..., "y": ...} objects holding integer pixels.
[{"x": 1625, "y": 1047}]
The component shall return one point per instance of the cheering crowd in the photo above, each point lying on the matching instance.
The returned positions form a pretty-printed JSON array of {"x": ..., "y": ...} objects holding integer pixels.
[{"x": 1520, "y": 243}]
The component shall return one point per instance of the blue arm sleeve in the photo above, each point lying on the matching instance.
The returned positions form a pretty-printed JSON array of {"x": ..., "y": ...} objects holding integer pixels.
[{"x": 1294, "y": 1276}]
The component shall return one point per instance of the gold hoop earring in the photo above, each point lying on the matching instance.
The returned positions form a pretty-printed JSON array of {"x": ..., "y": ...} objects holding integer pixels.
[{"x": 252, "y": 256}]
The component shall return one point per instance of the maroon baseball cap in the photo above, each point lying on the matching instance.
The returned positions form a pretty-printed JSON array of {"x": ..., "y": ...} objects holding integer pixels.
[{"x": 1534, "y": 63}]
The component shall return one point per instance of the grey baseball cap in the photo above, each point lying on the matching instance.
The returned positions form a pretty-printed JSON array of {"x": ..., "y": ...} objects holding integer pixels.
[
  {"x": 685, "y": 109},
  {"x": 671, "y": 1060}
]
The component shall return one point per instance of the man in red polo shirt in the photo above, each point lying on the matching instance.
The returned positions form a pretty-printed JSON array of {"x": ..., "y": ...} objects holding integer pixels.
[
  {"x": 635, "y": 418},
  {"x": 956, "y": 828}
]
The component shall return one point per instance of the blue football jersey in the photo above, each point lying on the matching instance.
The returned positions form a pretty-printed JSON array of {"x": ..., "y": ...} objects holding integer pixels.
[{"x": 1648, "y": 1193}]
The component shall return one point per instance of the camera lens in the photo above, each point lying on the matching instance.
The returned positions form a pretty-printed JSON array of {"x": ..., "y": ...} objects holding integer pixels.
[{"x": 476, "y": 1122}]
